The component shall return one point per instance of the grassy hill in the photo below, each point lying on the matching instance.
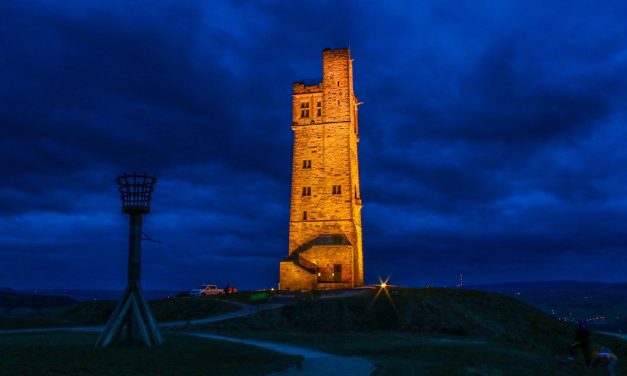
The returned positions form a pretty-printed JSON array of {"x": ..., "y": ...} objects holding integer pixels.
[
  {"x": 411, "y": 331},
  {"x": 11, "y": 300},
  {"x": 427, "y": 332},
  {"x": 428, "y": 311},
  {"x": 98, "y": 312}
]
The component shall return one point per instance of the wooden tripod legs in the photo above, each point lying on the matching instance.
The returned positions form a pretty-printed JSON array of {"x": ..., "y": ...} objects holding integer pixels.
[{"x": 132, "y": 312}]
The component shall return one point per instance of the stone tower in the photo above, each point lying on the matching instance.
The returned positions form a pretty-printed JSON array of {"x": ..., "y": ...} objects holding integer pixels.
[{"x": 325, "y": 248}]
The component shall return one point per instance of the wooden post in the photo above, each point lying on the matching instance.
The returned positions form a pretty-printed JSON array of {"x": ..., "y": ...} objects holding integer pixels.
[{"x": 132, "y": 311}]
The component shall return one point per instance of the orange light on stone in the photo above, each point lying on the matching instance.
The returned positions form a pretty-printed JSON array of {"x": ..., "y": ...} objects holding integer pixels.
[{"x": 325, "y": 245}]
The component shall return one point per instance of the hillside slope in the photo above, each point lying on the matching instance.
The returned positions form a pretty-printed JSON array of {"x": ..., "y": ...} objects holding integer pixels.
[
  {"x": 428, "y": 331},
  {"x": 428, "y": 311},
  {"x": 98, "y": 312},
  {"x": 11, "y": 300}
]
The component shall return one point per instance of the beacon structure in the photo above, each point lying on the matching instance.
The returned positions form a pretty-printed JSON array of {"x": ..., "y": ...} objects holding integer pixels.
[{"x": 325, "y": 246}]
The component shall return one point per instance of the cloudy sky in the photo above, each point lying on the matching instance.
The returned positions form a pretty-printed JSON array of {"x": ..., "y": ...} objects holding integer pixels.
[{"x": 493, "y": 137}]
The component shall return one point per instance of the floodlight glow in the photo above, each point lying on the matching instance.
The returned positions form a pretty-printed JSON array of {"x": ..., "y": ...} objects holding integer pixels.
[{"x": 383, "y": 283}]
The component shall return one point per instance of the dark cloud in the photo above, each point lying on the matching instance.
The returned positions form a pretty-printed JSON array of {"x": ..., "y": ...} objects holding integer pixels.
[{"x": 492, "y": 137}]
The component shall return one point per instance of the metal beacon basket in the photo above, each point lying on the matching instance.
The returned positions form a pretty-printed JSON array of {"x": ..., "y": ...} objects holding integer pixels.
[{"x": 136, "y": 192}]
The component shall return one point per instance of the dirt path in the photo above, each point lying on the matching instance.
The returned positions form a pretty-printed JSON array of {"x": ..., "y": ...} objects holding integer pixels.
[
  {"x": 314, "y": 363},
  {"x": 617, "y": 335},
  {"x": 245, "y": 310}
]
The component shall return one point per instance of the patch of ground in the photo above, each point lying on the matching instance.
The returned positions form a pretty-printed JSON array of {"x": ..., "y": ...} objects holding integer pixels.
[
  {"x": 402, "y": 353},
  {"x": 12, "y": 301},
  {"x": 314, "y": 362},
  {"x": 72, "y": 353},
  {"x": 426, "y": 332},
  {"x": 97, "y": 312}
]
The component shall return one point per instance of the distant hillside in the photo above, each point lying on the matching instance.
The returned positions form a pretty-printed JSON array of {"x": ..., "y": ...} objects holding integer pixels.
[
  {"x": 555, "y": 286},
  {"x": 603, "y": 306},
  {"x": 11, "y": 300},
  {"x": 95, "y": 294}
]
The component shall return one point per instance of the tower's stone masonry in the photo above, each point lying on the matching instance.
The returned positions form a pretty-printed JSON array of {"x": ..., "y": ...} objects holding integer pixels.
[{"x": 325, "y": 247}]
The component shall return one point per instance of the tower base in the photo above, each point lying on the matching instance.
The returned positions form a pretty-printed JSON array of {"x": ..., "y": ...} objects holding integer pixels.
[{"x": 324, "y": 263}]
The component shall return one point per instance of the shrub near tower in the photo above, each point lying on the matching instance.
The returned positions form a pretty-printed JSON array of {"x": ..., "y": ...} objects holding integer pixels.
[{"x": 325, "y": 247}]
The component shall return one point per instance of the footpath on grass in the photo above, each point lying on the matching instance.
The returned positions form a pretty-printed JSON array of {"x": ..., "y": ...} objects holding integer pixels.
[
  {"x": 314, "y": 363},
  {"x": 245, "y": 310}
]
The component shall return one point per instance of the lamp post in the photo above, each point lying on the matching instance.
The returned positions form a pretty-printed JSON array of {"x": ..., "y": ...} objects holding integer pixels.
[{"x": 133, "y": 311}]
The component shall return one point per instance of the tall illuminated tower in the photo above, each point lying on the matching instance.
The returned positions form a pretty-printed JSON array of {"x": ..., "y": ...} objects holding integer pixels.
[{"x": 325, "y": 246}]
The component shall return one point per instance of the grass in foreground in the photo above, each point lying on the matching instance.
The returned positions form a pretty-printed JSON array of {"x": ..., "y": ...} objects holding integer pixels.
[
  {"x": 401, "y": 353},
  {"x": 70, "y": 353},
  {"x": 428, "y": 332}
]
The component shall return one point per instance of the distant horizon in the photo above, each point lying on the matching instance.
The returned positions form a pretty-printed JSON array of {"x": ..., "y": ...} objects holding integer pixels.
[{"x": 23, "y": 289}]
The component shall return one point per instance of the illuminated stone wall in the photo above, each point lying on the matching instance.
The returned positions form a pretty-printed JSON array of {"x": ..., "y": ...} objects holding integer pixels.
[
  {"x": 325, "y": 197},
  {"x": 295, "y": 278}
]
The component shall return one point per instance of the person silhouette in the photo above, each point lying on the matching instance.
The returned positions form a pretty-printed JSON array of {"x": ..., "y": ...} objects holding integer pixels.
[{"x": 582, "y": 342}]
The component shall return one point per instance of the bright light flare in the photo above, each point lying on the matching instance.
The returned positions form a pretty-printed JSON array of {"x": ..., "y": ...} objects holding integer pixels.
[
  {"x": 383, "y": 284},
  {"x": 383, "y": 287}
]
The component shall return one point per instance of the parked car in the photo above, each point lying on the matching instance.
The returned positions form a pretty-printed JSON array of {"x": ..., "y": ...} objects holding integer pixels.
[{"x": 208, "y": 290}]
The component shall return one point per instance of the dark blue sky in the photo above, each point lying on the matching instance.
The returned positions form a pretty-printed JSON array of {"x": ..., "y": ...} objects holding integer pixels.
[{"x": 493, "y": 138}]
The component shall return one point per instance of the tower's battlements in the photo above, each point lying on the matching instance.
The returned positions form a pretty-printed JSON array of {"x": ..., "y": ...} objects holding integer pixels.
[{"x": 306, "y": 87}]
